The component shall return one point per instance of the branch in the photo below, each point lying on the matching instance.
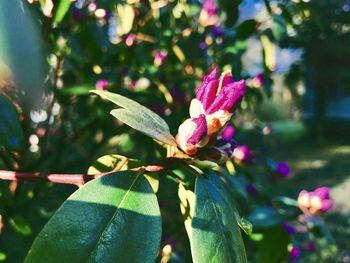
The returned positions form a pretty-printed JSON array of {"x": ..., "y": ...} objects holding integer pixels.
[{"x": 75, "y": 179}]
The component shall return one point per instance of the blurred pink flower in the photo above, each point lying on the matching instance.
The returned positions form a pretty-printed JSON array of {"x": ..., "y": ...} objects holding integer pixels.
[
  {"x": 209, "y": 14},
  {"x": 228, "y": 132},
  {"x": 159, "y": 57},
  {"x": 316, "y": 201},
  {"x": 257, "y": 81},
  {"x": 102, "y": 84},
  {"x": 294, "y": 253},
  {"x": 243, "y": 153},
  {"x": 130, "y": 39}
]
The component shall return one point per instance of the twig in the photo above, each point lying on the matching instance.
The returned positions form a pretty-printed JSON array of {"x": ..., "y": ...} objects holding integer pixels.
[{"x": 75, "y": 179}]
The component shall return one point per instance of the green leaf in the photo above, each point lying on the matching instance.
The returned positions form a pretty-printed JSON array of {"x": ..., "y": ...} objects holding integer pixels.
[
  {"x": 62, "y": 9},
  {"x": 111, "y": 218},
  {"x": 273, "y": 246},
  {"x": 11, "y": 134},
  {"x": 215, "y": 235},
  {"x": 20, "y": 47},
  {"x": 245, "y": 225},
  {"x": 77, "y": 90},
  {"x": 138, "y": 117},
  {"x": 20, "y": 225},
  {"x": 265, "y": 217}
]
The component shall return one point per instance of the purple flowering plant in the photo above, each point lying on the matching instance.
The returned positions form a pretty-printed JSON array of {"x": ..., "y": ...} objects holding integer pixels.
[{"x": 187, "y": 182}]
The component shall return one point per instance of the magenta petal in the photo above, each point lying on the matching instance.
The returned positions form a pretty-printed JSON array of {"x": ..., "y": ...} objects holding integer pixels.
[
  {"x": 207, "y": 78},
  {"x": 326, "y": 205},
  {"x": 209, "y": 94},
  {"x": 229, "y": 97},
  {"x": 227, "y": 80},
  {"x": 201, "y": 130},
  {"x": 322, "y": 192}
]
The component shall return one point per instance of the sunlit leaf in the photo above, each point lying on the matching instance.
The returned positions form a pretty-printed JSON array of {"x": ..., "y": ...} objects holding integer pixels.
[
  {"x": 115, "y": 217},
  {"x": 62, "y": 9},
  {"x": 125, "y": 16},
  {"x": 115, "y": 162},
  {"x": 245, "y": 225},
  {"x": 139, "y": 117},
  {"x": 110, "y": 162},
  {"x": 269, "y": 51}
]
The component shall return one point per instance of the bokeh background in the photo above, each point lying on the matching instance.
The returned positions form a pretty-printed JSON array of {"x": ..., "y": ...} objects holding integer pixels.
[{"x": 294, "y": 55}]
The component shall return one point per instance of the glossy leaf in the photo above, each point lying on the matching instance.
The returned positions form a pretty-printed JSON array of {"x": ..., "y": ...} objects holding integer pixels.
[
  {"x": 11, "y": 134},
  {"x": 138, "y": 117},
  {"x": 215, "y": 235},
  {"x": 111, "y": 219}
]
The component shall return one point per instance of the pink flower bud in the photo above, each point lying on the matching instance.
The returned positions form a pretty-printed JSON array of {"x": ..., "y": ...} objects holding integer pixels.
[
  {"x": 102, "y": 84},
  {"x": 192, "y": 134},
  {"x": 217, "y": 99},
  {"x": 242, "y": 153}
]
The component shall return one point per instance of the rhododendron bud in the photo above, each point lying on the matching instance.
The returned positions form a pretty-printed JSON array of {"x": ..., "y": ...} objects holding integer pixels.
[
  {"x": 242, "y": 153},
  {"x": 192, "y": 134},
  {"x": 102, "y": 84},
  {"x": 217, "y": 98},
  {"x": 316, "y": 201}
]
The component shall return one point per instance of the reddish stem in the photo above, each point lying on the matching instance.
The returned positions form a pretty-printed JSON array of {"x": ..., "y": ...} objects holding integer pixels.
[{"x": 76, "y": 179}]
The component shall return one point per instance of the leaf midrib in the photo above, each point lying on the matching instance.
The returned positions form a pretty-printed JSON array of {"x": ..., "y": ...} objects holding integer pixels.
[
  {"x": 218, "y": 219},
  {"x": 114, "y": 215}
]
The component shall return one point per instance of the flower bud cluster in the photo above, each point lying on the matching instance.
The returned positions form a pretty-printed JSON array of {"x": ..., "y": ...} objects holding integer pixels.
[{"x": 216, "y": 100}]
